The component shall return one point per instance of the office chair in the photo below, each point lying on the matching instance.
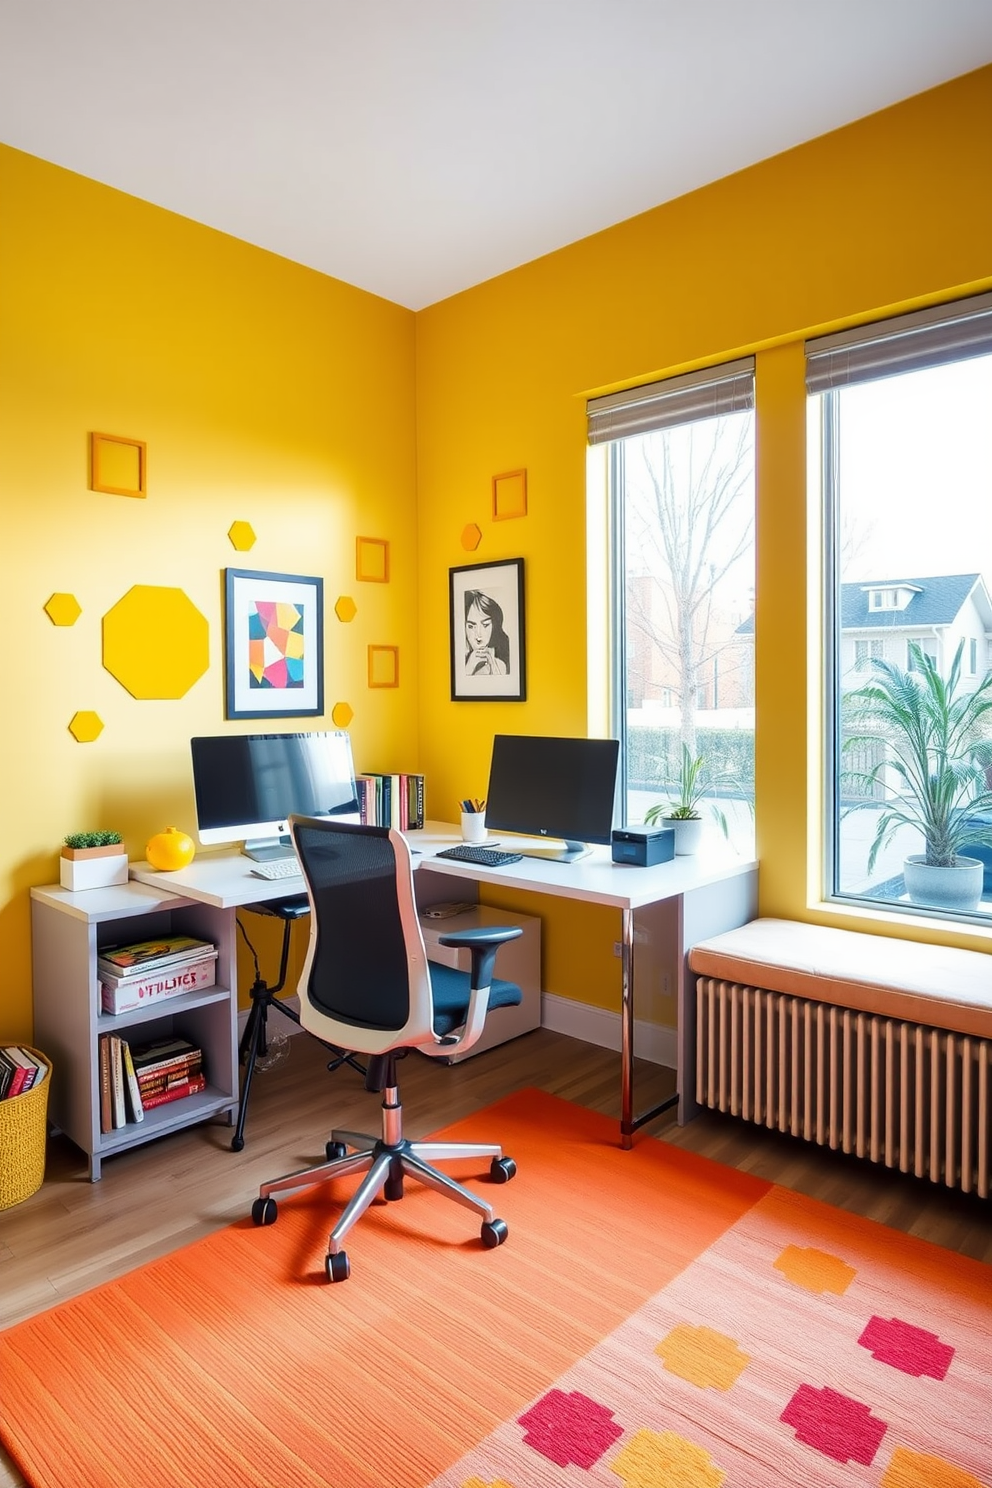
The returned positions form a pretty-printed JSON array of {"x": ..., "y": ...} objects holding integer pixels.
[
  {"x": 264, "y": 996},
  {"x": 367, "y": 986}
]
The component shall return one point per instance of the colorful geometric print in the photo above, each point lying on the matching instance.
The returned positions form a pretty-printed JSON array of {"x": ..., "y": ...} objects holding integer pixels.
[
  {"x": 275, "y": 645},
  {"x": 774, "y": 1357}
]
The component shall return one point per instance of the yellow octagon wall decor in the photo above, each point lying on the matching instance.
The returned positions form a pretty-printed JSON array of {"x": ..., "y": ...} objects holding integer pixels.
[
  {"x": 341, "y": 715},
  {"x": 155, "y": 642}
]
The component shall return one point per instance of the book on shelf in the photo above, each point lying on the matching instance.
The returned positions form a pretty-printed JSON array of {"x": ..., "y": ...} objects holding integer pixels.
[
  {"x": 192, "y": 1086},
  {"x": 106, "y": 1104},
  {"x": 136, "y": 1109},
  {"x": 118, "y": 1110},
  {"x": 121, "y": 994},
  {"x": 391, "y": 800},
  {"x": 19, "y": 1071},
  {"x": 173, "y": 1074},
  {"x": 145, "y": 956},
  {"x": 161, "y": 1053}
]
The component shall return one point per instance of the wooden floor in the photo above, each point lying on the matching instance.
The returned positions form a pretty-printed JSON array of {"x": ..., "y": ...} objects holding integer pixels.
[{"x": 74, "y": 1234}]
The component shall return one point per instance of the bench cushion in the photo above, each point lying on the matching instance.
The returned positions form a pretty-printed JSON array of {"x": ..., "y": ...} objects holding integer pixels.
[{"x": 930, "y": 984}]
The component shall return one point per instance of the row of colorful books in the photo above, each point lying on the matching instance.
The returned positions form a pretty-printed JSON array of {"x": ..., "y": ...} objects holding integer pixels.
[
  {"x": 19, "y": 1070},
  {"x": 135, "y": 1078},
  {"x": 150, "y": 970},
  {"x": 391, "y": 800}
]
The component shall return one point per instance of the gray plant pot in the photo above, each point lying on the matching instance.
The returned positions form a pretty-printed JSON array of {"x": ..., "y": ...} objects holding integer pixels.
[{"x": 957, "y": 888}]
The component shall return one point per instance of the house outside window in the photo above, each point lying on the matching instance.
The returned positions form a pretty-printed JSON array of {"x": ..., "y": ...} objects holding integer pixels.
[
  {"x": 903, "y": 410},
  {"x": 681, "y": 464}
]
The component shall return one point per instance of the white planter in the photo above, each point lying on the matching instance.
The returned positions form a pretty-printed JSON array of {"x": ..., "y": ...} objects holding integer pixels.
[
  {"x": 92, "y": 867},
  {"x": 956, "y": 888},
  {"x": 688, "y": 833}
]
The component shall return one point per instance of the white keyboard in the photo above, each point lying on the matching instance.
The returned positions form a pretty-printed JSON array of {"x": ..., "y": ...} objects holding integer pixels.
[{"x": 278, "y": 868}]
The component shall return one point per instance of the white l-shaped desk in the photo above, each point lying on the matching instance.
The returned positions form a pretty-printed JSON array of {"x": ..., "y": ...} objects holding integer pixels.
[{"x": 682, "y": 901}]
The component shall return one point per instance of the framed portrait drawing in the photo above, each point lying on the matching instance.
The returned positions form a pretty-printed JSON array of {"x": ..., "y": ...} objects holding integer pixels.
[
  {"x": 273, "y": 642},
  {"x": 486, "y": 621}
]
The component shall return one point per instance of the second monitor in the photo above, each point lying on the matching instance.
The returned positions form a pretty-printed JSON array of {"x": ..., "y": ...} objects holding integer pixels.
[{"x": 553, "y": 787}]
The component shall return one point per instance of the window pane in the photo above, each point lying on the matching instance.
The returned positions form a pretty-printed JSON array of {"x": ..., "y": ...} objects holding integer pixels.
[
  {"x": 909, "y": 480},
  {"x": 684, "y": 517}
]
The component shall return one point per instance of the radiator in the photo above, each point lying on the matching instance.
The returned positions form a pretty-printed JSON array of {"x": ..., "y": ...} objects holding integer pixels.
[{"x": 911, "y": 1097}]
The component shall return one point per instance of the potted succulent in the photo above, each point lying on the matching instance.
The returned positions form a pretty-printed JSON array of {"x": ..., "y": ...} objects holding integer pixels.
[
  {"x": 939, "y": 751},
  {"x": 683, "y": 812},
  {"x": 92, "y": 860}
]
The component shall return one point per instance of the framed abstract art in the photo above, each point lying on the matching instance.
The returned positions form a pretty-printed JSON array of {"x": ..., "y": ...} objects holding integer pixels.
[{"x": 273, "y": 640}]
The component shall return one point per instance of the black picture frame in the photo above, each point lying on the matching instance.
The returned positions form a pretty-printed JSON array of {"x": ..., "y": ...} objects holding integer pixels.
[
  {"x": 274, "y": 658},
  {"x": 497, "y": 670}
]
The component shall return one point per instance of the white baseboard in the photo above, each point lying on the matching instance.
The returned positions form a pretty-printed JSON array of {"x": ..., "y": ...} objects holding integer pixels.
[
  {"x": 592, "y": 1024},
  {"x": 598, "y": 1026}
]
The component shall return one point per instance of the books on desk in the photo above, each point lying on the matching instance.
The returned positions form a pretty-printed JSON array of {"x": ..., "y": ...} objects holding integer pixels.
[{"x": 391, "y": 801}]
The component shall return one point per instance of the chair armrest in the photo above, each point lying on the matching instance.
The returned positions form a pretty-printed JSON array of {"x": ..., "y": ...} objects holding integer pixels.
[{"x": 482, "y": 945}]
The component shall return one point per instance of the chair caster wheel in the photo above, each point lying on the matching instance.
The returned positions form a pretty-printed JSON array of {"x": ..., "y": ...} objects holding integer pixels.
[
  {"x": 264, "y": 1211},
  {"x": 502, "y": 1169},
  {"x": 393, "y": 1189},
  {"x": 494, "y": 1232},
  {"x": 338, "y": 1267},
  {"x": 237, "y": 1143},
  {"x": 334, "y": 1150}
]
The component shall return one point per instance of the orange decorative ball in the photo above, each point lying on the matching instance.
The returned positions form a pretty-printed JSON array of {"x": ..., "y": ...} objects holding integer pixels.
[{"x": 170, "y": 849}]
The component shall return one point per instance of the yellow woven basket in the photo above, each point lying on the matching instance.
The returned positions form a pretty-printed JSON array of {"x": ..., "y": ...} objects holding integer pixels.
[{"x": 22, "y": 1138}]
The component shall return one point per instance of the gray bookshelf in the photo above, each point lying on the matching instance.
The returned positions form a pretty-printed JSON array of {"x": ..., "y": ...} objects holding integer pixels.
[{"x": 67, "y": 933}]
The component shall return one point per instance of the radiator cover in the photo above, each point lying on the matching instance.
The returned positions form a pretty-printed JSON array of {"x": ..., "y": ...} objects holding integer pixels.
[{"x": 911, "y": 1097}]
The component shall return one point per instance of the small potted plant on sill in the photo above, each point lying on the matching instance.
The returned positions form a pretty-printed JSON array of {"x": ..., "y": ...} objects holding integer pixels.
[
  {"x": 933, "y": 775},
  {"x": 683, "y": 813},
  {"x": 92, "y": 860}
]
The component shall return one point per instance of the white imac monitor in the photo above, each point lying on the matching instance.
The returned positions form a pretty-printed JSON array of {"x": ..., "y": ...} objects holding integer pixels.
[{"x": 247, "y": 786}]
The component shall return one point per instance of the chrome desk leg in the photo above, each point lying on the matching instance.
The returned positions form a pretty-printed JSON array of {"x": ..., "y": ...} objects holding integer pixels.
[{"x": 628, "y": 1121}]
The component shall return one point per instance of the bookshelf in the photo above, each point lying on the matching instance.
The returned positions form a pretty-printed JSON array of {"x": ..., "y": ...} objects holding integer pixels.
[{"x": 67, "y": 932}]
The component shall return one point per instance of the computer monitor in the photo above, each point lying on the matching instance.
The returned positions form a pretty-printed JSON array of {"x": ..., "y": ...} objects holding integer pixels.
[
  {"x": 248, "y": 785},
  {"x": 553, "y": 788}
]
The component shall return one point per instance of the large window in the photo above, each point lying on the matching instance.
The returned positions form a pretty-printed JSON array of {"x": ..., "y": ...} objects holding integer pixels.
[
  {"x": 681, "y": 462},
  {"x": 906, "y": 421}
]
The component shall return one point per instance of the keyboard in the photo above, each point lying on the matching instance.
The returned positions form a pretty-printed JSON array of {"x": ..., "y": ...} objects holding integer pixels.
[
  {"x": 483, "y": 857},
  {"x": 278, "y": 868}
]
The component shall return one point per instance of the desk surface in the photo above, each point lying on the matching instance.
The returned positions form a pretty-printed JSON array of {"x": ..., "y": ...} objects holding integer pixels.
[{"x": 226, "y": 880}]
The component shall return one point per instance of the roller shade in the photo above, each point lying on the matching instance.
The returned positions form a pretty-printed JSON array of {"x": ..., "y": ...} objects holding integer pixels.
[
  {"x": 907, "y": 343},
  {"x": 677, "y": 400}
]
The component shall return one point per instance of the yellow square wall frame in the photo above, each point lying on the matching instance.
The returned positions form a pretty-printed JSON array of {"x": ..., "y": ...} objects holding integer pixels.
[
  {"x": 372, "y": 560},
  {"x": 509, "y": 495},
  {"x": 384, "y": 666},
  {"x": 118, "y": 466}
]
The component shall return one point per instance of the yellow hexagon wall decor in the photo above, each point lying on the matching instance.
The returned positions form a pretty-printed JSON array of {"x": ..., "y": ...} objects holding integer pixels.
[
  {"x": 242, "y": 535},
  {"x": 346, "y": 609},
  {"x": 63, "y": 609},
  {"x": 341, "y": 715},
  {"x": 471, "y": 537},
  {"x": 85, "y": 727},
  {"x": 155, "y": 642}
]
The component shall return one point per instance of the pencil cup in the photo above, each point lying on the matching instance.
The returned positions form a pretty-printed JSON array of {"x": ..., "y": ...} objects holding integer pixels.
[{"x": 473, "y": 826}]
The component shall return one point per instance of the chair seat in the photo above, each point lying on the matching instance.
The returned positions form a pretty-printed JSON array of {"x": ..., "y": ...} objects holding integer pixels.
[{"x": 452, "y": 989}]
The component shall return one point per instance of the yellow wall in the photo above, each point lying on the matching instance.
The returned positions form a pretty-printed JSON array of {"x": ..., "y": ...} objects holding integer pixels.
[
  {"x": 890, "y": 212},
  {"x": 250, "y": 379}
]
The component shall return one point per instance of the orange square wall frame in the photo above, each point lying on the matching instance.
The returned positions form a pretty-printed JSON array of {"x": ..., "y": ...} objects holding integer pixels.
[
  {"x": 384, "y": 666},
  {"x": 372, "y": 560},
  {"x": 509, "y": 495},
  {"x": 118, "y": 466}
]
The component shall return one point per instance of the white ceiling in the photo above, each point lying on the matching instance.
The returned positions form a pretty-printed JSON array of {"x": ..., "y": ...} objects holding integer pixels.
[{"x": 416, "y": 147}]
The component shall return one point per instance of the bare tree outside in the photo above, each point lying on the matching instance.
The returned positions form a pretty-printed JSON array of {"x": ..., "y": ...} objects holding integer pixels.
[{"x": 689, "y": 495}]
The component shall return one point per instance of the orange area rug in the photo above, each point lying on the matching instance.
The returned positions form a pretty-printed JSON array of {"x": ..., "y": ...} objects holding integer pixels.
[{"x": 653, "y": 1319}]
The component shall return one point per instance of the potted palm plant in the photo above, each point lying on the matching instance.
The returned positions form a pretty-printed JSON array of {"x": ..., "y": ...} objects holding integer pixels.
[
  {"x": 683, "y": 811},
  {"x": 939, "y": 750}
]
